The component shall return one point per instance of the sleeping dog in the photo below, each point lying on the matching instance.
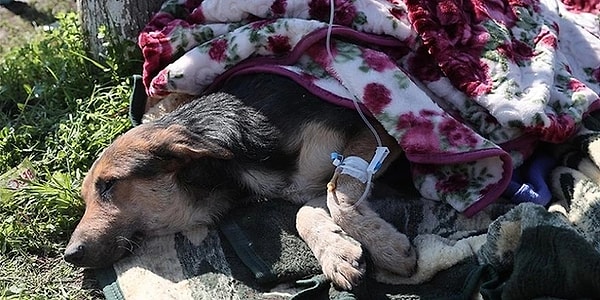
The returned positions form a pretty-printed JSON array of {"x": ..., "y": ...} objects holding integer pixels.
[{"x": 261, "y": 135}]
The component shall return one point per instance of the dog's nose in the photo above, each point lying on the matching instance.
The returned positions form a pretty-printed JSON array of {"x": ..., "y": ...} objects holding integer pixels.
[{"x": 74, "y": 253}]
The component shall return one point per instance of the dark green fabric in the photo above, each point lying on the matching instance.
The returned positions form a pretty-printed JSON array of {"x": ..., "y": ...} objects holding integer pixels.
[
  {"x": 553, "y": 262},
  {"x": 243, "y": 247},
  {"x": 107, "y": 280},
  {"x": 269, "y": 232},
  {"x": 137, "y": 100},
  {"x": 447, "y": 284},
  {"x": 491, "y": 282}
]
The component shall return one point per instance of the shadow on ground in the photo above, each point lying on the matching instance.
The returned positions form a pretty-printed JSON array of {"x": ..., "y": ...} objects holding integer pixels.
[{"x": 29, "y": 13}]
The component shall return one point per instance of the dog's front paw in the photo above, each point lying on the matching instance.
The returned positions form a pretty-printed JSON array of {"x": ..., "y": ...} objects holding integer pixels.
[
  {"x": 389, "y": 249},
  {"x": 343, "y": 263}
]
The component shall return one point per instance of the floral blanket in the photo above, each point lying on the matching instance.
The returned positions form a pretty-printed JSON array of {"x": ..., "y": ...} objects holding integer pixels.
[{"x": 468, "y": 88}]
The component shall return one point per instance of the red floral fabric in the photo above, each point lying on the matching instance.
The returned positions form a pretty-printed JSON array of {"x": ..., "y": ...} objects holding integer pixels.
[{"x": 468, "y": 88}]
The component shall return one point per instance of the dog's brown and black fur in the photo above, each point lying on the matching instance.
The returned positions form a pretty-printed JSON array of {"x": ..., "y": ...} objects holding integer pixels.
[{"x": 259, "y": 135}]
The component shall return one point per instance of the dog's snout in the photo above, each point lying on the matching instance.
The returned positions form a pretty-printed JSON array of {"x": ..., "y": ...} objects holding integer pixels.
[{"x": 74, "y": 254}]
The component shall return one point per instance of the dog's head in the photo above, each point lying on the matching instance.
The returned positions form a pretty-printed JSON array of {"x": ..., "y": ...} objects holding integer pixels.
[{"x": 152, "y": 180}]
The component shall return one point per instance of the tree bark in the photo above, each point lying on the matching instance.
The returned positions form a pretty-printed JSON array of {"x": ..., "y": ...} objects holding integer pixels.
[{"x": 122, "y": 19}]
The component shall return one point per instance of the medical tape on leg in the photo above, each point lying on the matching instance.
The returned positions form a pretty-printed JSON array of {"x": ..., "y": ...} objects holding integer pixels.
[
  {"x": 352, "y": 165},
  {"x": 360, "y": 169}
]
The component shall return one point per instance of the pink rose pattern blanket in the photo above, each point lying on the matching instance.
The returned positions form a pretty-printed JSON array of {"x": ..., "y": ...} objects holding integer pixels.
[{"x": 468, "y": 88}]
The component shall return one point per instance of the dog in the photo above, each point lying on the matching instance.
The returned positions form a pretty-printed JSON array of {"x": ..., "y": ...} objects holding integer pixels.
[{"x": 259, "y": 134}]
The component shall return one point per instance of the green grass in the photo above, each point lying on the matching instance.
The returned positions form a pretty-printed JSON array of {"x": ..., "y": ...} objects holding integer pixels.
[{"x": 58, "y": 109}]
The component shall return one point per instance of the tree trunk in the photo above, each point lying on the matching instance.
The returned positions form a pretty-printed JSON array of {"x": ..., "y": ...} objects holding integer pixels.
[{"x": 122, "y": 21}]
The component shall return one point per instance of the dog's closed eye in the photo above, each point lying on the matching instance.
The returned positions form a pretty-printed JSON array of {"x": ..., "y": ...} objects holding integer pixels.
[{"x": 104, "y": 188}]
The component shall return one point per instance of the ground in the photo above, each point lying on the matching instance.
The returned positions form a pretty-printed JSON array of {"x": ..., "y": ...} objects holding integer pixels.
[
  {"x": 19, "y": 20},
  {"x": 19, "y": 23}
]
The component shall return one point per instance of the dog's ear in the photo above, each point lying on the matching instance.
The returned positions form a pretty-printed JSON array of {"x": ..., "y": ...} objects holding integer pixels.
[{"x": 177, "y": 141}]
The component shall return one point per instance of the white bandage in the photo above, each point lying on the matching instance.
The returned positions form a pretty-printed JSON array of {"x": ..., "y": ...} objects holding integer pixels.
[
  {"x": 356, "y": 167},
  {"x": 359, "y": 168}
]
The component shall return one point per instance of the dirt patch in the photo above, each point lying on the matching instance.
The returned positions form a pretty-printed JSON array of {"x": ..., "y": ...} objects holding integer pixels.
[{"x": 20, "y": 20}]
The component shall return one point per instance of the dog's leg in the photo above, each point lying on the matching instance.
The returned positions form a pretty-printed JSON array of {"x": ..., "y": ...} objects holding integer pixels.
[
  {"x": 340, "y": 256},
  {"x": 388, "y": 248}
]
